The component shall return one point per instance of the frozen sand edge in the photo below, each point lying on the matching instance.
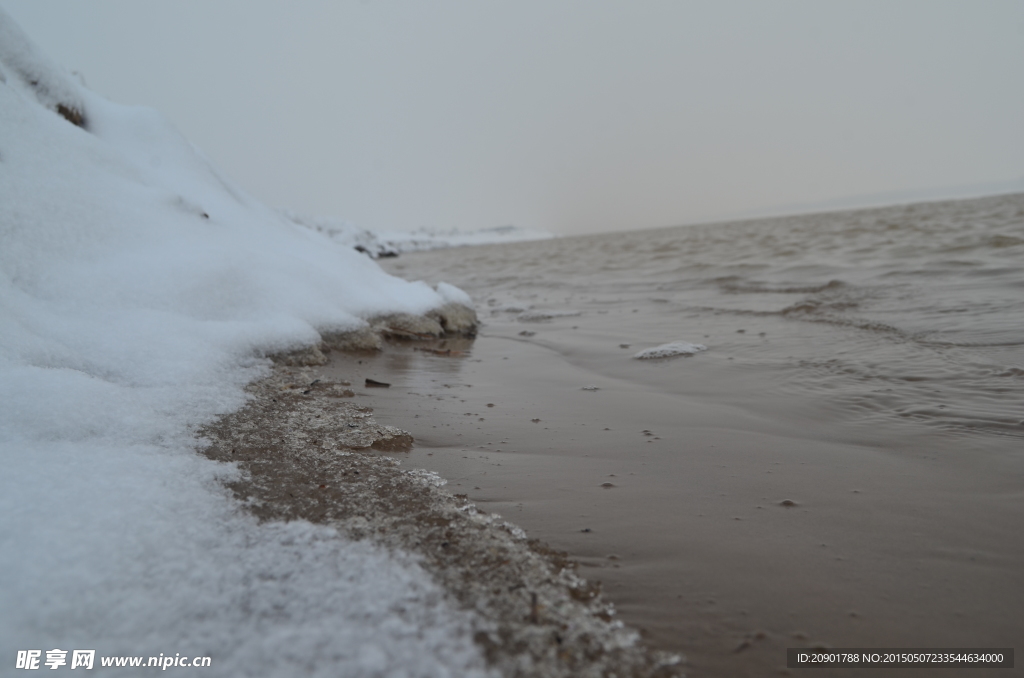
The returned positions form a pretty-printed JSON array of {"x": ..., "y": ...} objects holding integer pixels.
[{"x": 305, "y": 452}]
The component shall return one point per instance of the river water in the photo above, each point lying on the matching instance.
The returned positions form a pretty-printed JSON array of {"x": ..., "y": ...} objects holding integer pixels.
[{"x": 843, "y": 466}]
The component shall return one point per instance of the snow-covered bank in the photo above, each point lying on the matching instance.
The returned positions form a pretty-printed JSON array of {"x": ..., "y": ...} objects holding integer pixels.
[
  {"x": 138, "y": 291},
  {"x": 391, "y": 243}
]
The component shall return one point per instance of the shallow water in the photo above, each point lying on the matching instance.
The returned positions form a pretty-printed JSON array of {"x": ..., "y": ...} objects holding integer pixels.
[{"x": 867, "y": 366}]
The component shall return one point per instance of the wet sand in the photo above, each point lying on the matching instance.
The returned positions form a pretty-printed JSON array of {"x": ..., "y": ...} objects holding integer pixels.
[
  {"x": 677, "y": 500},
  {"x": 306, "y": 450}
]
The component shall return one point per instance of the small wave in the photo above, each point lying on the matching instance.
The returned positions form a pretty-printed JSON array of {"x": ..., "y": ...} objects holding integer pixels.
[
  {"x": 809, "y": 306},
  {"x": 759, "y": 288},
  {"x": 937, "y": 343},
  {"x": 994, "y": 241},
  {"x": 855, "y": 323},
  {"x": 949, "y": 397},
  {"x": 1004, "y": 241},
  {"x": 540, "y": 316},
  {"x": 966, "y": 423}
]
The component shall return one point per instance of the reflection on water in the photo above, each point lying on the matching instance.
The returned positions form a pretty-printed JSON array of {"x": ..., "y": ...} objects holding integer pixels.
[{"x": 418, "y": 362}]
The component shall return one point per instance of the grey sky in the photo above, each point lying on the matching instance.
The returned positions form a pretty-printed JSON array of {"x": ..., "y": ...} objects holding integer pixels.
[{"x": 568, "y": 115}]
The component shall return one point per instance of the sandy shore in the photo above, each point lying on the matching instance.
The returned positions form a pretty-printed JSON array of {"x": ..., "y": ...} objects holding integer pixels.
[{"x": 308, "y": 451}]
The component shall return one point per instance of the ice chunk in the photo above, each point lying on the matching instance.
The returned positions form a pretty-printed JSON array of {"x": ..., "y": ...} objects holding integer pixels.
[{"x": 670, "y": 350}]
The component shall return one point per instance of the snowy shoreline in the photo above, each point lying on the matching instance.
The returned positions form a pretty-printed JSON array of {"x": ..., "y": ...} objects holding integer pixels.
[
  {"x": 532, "y": 615},
  {"x": 141, "y": 296}
]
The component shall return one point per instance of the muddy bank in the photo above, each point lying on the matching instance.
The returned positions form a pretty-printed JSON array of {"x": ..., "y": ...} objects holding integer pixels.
[{"x": 307, "y": 451}]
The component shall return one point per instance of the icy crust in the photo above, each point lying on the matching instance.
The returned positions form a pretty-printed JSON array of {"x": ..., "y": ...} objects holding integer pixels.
[
  {"x": 451, "y": 321},
  {"x": 534, "y": 616},
  {"x": 670, "y": 350}
]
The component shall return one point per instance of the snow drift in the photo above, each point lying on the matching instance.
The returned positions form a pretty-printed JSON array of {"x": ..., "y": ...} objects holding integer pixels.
[{"x": 138, "y": 291}]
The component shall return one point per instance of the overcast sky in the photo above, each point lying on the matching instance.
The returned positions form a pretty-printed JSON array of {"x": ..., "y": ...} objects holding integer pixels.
[{"x": 572, "y": 116}]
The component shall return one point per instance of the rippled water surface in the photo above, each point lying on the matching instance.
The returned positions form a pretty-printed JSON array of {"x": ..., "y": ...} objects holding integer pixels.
[
  {"x": 912, "y": 312},
  {"x": 867, "y": 367}
]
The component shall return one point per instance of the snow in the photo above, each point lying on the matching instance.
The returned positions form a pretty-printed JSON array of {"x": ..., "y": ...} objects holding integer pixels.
[
  {"x": 670, "y": 350},
  {"x": 139, "y": 290},
  {"x": 51, "y": 86},
  {"x": 454, "y": 295}
]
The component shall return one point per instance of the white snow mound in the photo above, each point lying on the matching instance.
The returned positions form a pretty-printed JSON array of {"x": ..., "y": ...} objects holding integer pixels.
[
  {"x": 138, "y": 290},
  {"x": 453, "y": 294},
  {"x": 670, "y": 350}
]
